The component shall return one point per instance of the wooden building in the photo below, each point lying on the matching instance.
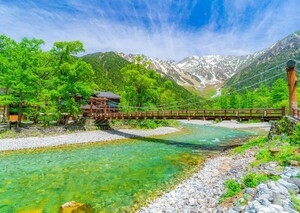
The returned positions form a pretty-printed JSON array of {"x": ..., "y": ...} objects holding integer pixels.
[{"x": 101, "y": 102}]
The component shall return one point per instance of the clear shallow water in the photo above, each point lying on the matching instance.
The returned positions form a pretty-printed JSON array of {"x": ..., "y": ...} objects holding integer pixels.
[{"x": 110, "y": 177}]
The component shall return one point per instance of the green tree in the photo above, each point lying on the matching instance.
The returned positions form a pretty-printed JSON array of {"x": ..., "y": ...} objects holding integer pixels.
[
  {"x": 20, "y": 72},
  {"x": 141, "y": 89},
  {"x": 279, "y": 92},
  {"x": 262, "y": 97},
  {"x": 72, "y": 78}
]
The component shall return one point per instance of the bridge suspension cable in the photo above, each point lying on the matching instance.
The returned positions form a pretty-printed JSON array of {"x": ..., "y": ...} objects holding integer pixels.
[
  {"x": 177, "y": 104},
  {"x": 259, "y": 74},
  {"x": 262, "y": 81}
]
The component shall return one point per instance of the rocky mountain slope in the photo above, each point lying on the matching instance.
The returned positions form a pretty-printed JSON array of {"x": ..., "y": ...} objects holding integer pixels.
[
  {"x": 202, "y": 71},
  {"x": 270, "y": 63},
  {"x": 108, "y": 77},
  {"x": 214, "y": 69},
  {"x": 168, "y": 69},
  {"x": 196, "y": 71}
]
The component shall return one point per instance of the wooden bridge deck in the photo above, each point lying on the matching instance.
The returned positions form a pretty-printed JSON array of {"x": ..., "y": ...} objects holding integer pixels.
[{"x": 241, "y": 114}]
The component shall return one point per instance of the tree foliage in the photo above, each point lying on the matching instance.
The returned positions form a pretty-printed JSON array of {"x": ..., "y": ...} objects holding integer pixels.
[
  {"x": 275, "y": 96},
  {"x": 34, "y": 82}
]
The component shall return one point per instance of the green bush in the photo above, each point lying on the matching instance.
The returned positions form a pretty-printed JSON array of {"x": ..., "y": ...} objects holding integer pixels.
[
  {"x": 252, "y": 179},
  {"x": 260, "y": 142},
  {"x": 296, "y": 201},
  {"x": 143, "y": 124},
  {"x": 286, "y": 154},
  {"x": 232, "y": 188},
  {"x": 264, "y": 155},
  {"x": 148, "y": 124},
  {"x": 294, "y": 139}
]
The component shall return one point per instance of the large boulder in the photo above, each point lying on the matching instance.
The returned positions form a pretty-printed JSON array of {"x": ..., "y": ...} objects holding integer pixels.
[{"x": 74, "y": 207}]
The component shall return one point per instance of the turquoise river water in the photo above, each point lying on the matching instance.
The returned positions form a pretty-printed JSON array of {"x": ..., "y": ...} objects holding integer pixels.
[{"x": 110, "y": 177}]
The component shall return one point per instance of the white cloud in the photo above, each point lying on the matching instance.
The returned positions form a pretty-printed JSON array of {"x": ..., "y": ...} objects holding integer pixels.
[{"x": 161, "y": 38}]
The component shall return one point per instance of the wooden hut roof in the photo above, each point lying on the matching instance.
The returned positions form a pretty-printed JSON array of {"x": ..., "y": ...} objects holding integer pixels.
[
  {"x": 88, "y": 107},
  {"x": 108, "y": 95}
]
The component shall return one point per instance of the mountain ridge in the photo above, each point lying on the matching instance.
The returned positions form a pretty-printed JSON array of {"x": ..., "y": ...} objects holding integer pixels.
[
  {"x": 203, "y": 71},
  {"x": 214, "y": 70}
]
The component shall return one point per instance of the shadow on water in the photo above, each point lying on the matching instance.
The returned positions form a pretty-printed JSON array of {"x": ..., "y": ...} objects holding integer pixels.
[{"x": 193, "y": 146}]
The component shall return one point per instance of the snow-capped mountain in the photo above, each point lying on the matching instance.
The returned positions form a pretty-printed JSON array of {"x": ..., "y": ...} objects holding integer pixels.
[
  {"x": 196, "y": 71},
  {"x": 167, "y": 68},
  {"x": 203, "y": 71},
  {"x": 213, "y": 69}
]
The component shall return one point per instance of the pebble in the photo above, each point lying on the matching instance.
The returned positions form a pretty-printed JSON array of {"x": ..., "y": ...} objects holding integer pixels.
[
  {"x": 200, "y": 193},
  {"x": 79, "y": 137},
  {"x": 204, "y": 187},
  {"x": 295, "y": 181}
]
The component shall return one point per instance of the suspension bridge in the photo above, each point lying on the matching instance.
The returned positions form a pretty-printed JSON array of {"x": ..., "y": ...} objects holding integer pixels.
[{"x": 162, "y": 112}]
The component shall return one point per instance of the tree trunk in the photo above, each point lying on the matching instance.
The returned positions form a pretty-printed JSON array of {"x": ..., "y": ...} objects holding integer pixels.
[
  {"x": 20, "y": 113},
  {"x": 5, "y": 114}
]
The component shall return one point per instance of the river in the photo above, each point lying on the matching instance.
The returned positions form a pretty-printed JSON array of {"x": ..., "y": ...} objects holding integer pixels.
[{"x": 115, "y": 176}]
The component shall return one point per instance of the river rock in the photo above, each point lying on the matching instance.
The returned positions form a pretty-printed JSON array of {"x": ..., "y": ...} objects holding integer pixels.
[
  {"x": 290, "y": 186},
  {"x": 295, "y": 181},
  {"x": 263, "y": 191},
  {"x": 281, "y": 190},
  {"x": 294, "y": 163},
  {"x": 288, "y": 209},
  {"x": 74, "y": 207},
  {"x": 277, "y": 199},
  {"x": 274, "y": 150},
  {"x": 264, "y": 202},
  {"x": 249, "y": 191},
  {"x": 292, "y": 172}
]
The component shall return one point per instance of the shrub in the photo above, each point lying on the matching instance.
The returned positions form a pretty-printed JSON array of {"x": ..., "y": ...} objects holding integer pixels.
[
  {"x": 264, "y": 155},
  {"x": 260, "y": 141},
  {"x": 232, "y": 188},
  {"x": 294, "y": 139},
  {"x": 252, "y": 179},
  {"x": 296, "y": 202}
]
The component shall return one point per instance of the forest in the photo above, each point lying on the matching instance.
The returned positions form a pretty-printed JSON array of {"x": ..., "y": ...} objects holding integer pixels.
[{"x": 42, "y": 85}]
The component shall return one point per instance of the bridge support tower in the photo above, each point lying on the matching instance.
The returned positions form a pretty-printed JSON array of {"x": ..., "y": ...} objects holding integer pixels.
[{"x": 292, "y": 85}]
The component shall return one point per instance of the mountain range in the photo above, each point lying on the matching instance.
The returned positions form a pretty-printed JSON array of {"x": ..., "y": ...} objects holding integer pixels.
[{"x": 200, "y": 72}]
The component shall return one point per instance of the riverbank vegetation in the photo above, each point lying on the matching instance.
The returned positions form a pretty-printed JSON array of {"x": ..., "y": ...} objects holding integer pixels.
[
  {"x": 143, "y": 124},
  {"x": 281, "y": 148}
]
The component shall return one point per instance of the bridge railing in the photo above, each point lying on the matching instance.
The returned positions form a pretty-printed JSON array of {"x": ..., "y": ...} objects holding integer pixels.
[
  {"x": 263, "y": 114},
  {"x": 296, "y": 112}
]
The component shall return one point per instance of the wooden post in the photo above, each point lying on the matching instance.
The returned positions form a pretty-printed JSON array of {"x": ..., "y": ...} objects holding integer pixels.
[
  {"x": 105, "y": 106},
  {"x": 283, "y": 111},
  {"x": 91, "y": 107},
  {"x": 292, "y": 84}
]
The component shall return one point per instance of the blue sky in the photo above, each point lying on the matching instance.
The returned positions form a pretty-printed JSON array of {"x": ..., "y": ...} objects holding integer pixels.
[{"x": 168, "y": 29}]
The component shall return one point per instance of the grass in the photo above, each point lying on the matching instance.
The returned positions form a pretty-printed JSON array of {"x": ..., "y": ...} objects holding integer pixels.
[
  {"x": 296, "y": 202},
  {"x": 251, "y": 180},
  {"x": 255, "y": 142},
  {"x": 286, "y": 151},
  {"x": 232, "y": 188},
  {"x": 284, "y": 156}
]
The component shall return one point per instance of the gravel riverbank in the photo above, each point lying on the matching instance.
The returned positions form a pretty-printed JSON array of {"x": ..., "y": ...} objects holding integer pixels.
[
  {"x": 200, "y": 192},
  {"x": 80, "y": 137}
]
